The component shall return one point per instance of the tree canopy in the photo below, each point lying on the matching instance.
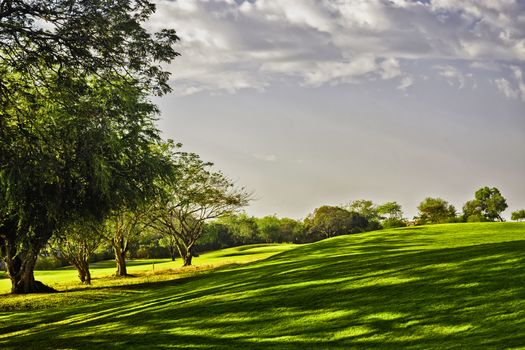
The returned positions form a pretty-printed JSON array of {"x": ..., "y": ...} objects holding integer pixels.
[
  {"x": 77, "y": 134},
  {"x": 75, "y": 39},
  {"x": 487, "y": 205},
  {"x": 197, "y": 195},
  {"x": 435, "y": 211},
  {"x": 329, "y": 221}
]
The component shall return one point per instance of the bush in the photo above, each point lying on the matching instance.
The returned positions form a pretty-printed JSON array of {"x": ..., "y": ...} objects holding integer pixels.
[
  {"x": 393, "y": 223},
  {"x": 476, "y": 218}
]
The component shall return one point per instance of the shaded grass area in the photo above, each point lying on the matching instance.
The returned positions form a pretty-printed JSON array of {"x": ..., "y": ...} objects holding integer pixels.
[{"x": 432, "y": 287}]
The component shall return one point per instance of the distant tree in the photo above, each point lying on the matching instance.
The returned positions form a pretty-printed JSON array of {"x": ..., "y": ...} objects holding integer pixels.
[
  {"x": 390, "y": 210},
  {"x": 391, "y": 215},
  {"x": 170, "y": 243},
  {"x": 243, "y": 228},
  {"x": 197, "y": 195},
  {"x": 291, "y": 230},
  {"x": 367, "y": 209},
  {"x": 487, "y": 205},
  {"x": 518, "y": 215},
  {"x": 269, "y": 228},
  {"x": 216, "y": 235},
  {"x": 329, "y": 221},
  {"x": 76, "y": 243},
  {"x": 435, "y": 211},
  {"x": 364, "y": 207}
]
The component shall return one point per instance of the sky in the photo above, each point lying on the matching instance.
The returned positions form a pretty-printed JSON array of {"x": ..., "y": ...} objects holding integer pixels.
[{"x": 321, "y": 102}]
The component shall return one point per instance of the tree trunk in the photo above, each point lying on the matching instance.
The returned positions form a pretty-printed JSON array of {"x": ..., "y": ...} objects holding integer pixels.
[
  {"x": 173, "y": 252},
  {"x": 120, "y": 258},
  {"x": 21, "y": 268},
  {"x": 88, "y": 275},
  {"x": 187, "y": 259},
  {"x": 185, "y": 254},
  {"x": 83, "y": 272}
]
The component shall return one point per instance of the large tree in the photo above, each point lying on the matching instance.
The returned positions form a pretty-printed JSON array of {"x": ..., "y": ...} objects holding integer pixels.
[
  {"x": 197, "y": 195},
  {"x": 58, "y": 166},
  {"x": 487, "y": 205},
  {"x": 76, "y": 127}
]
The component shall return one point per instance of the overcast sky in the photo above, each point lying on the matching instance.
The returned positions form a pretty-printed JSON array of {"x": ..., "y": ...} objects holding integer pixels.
[{"x": 313, "y": 102}]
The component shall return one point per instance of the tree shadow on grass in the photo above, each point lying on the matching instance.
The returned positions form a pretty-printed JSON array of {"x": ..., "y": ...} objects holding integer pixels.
[{"x": 379, "y": 294}]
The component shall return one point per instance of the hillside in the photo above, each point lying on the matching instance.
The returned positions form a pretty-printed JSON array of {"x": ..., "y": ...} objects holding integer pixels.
[{"x": 441, "y": 286}]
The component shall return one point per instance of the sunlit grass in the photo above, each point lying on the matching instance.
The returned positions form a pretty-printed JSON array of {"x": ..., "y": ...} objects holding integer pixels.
[
  {"x": 431, "y": 287},
  {"x": 67, "y": 277}
]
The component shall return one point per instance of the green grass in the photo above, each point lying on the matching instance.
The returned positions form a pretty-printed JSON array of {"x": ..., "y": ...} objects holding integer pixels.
[{"x": 431, "y": 287}]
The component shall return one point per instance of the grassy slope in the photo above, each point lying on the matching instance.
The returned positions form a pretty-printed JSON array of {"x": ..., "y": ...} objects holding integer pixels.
[{"x": 444, "y": 286}]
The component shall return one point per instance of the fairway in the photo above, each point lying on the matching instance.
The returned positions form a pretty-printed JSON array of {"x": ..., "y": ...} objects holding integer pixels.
[{"x": 425, "y": 287}]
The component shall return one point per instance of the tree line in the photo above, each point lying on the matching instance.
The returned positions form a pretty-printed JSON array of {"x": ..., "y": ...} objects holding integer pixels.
[{"x": 156, "y": 230}]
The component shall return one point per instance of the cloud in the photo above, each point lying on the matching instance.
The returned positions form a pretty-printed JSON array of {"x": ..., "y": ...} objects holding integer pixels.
[
  {"x": 231, "y": 45},
  {"x": 452, "y": 75},
  {"x": 405, "y": 83},
  {"x": 514, "y": 89}
]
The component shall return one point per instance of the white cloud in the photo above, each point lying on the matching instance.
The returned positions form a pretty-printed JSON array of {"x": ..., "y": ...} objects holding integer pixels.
[
  {"x": 452, "y": 75},
  {"x": 506, "y": 89},
  {"x": 231, "y": 45},
  {"x": 405, "y": 83}
]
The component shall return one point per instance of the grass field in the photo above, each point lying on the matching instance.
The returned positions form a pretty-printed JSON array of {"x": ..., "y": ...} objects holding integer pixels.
[{"x": 430, "y": 287}]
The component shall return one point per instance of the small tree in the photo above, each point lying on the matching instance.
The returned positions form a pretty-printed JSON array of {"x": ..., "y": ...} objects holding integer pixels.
[
  {"x": 76, "y": 244},
  {"x": 391, "y": 215},
  {"x": 197, "y": 195},
  {"x": 121, "y": 231},
  {"x": 435, "y": 211},
  {"x": 487, "y": 205},
  {"x": 518, "y": 215}
]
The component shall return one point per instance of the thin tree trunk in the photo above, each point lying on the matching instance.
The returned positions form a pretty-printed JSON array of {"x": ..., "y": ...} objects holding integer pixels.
[
  {"x": 88, "y": 274},
  {"x": 173, "y": 252}
]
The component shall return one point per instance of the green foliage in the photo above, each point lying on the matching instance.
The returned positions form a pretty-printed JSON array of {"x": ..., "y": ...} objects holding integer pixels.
[
  {"x": 75, "y": 39},
  {"x": 487, "y": 206},
  {"x": 77, "y": 135},
  {"x": 197, "y": 194},
  {"x": 329, "y": 221},
  {"x": 365, "y": 208},
  {"x": 435, "y": 211},
  {"x": 390, "y": 210},
  {"x": 393, "y": 223},
  {"x": 518, "y": 215},
  {"x": 76, "y": 243},
  {"x": 59, "y": 163}
]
